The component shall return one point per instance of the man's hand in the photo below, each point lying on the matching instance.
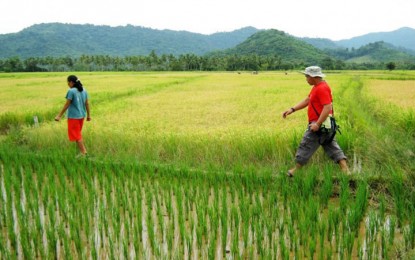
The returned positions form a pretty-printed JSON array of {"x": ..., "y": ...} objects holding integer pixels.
[
  {"x": 314, "y": 127},
  {"x": 288, "y": 112},
  {"x": 57, "y": 118}
]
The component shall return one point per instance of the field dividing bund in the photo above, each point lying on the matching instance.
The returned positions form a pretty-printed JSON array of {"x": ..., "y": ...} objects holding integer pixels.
[{"x": 191, "y": 165}]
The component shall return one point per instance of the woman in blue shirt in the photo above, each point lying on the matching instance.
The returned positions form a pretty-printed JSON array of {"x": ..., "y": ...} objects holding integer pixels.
[{"x": 78, "y": 108}]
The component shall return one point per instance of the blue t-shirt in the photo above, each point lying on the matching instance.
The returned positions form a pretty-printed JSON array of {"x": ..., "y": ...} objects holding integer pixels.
[{"x": 77, "y": 108}]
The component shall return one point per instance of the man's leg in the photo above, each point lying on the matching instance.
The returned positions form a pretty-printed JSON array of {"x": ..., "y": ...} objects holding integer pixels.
[
  {"x": 334, "y": 151},
  {"x": 292, "y": 170},
  {"x": 343, "y": 166},
  {"x": 308, "y": 146}
]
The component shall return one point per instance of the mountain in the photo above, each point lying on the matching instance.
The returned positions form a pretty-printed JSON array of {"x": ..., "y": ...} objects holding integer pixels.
[
  {"x": 278, "y": 43},
  {"x": 57, "y": 39},
  {"x": 292, "y": 49},
  {"x": 397, "y": 46},
  {"x": 403, "y": 37},
  {"x": 321, "y": 43},
  {"x": 74, "y": 40},
  {"x": 380, "y": 52},
  {"x": 372, "y": 52}
]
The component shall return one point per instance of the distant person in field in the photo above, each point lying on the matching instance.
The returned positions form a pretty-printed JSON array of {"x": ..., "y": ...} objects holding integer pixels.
[
  {"x": 78, "y": 108},
  {"x": 320, "y": 105}
]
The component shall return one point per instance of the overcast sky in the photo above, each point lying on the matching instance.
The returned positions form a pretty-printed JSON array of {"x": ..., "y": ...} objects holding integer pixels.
[{"x": 333, "y": 19}]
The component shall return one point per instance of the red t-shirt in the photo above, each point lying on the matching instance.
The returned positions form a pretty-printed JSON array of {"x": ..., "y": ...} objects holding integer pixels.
[{"x": 320, "y": 95}]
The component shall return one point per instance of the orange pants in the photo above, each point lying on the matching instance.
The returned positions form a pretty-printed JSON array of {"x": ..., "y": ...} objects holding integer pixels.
[{"x": 75, "y": 129}]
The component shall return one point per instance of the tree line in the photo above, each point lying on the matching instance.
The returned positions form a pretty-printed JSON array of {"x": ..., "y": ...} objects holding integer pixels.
[{"x": 184, "y": 62}]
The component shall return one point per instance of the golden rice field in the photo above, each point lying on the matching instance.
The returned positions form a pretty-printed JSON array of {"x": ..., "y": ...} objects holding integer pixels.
[
  {"x": 191, "y": 165},
  {"x": 394, "y": 92}
]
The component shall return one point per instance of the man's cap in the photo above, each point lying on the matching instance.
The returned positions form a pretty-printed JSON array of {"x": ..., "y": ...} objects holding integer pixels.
[{"x": 313, "y": 71}]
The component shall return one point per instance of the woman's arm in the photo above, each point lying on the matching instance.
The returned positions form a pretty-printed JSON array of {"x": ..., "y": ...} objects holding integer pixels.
[
  {"x": 88, "y": 112},
  {"x": 65, "y": 107}
]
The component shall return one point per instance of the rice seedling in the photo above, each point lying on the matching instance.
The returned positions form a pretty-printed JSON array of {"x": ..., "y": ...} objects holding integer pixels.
[
  {"x": 412, "y": 233},
  {"x": 224, "y": 222},
  {"x": 322, "y": 232},
  {"x": 284, "y": 254},
  {"x": 344, "y": 194},
  {"x": 398, "y": 198}
]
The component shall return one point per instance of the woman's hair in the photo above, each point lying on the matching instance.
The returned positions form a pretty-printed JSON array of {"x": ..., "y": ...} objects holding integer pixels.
[{"x": 76, "y": 81}]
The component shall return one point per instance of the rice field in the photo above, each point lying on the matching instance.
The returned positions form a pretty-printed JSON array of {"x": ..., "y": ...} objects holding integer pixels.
[{"x": 192, "y": 165}]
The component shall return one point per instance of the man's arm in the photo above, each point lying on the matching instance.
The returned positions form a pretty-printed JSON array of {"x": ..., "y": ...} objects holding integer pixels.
[
  {"x": 299, "y": 106},
  {"x": 323, "y": 116}
]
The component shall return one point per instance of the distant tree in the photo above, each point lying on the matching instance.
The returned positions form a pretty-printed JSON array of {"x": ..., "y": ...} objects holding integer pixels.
[
  {"x": 339, "y": 65},
  {"x": 391, "y": 66},
  {"x": 13, "y": 64},
  {"x": 152, "y": 59},
  {"x": 31, "y": 65},
  {"x": 327, "y": 63}
]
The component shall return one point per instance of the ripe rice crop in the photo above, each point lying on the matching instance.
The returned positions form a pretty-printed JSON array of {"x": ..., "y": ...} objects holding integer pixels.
[{"x": 396, "y": 92}]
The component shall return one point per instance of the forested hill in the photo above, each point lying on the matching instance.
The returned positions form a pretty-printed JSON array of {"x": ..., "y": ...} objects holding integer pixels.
[
  {"x": 279, "y": 48},
  {"x": 372, "y": 53},
  {"x": 58, "y": 40},
  {"x": 289, "y": 49},
  {"x": 403, "y": 38},
  {"x": 277, "y": 43}
]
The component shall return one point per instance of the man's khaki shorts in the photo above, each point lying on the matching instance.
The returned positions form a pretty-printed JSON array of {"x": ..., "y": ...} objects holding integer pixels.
[{"x": 311, "y": 142}]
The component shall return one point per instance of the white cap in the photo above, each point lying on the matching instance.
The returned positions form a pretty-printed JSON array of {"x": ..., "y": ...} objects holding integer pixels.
[{"x": 313, "y": 71}]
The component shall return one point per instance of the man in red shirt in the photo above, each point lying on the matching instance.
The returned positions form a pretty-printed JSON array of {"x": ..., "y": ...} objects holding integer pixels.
[{"x": 320, "y": 106}]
